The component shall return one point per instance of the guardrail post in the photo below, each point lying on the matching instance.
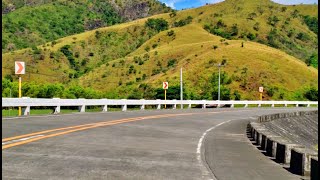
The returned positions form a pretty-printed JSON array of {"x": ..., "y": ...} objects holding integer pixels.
[
  {"x": 105, "y": 107},
  {"x": 204, "y": 104},
  {"x": 175, "y": 104},
  {"x": 219, "y": 104},
  {"x": 57, "y": 108},
  {"x": 190, "y": 105},
  {"x": 82, "y": 108},
  {"x": 246, "y": 105},
  {"x": 26, "y": 110},
  {"x": 124, "y": 106},
  {"x": 159, "y": 105},
  {"x": 142, "y": 106},
  {"x": 232, "y": 106},
  {"x": 259, "y": 105},
  {"x": 272, "y": 105},
  {"x": 308, "y": 105},
  {"x": 297, "y": 105},
  {"x": 285, "y": 105}
]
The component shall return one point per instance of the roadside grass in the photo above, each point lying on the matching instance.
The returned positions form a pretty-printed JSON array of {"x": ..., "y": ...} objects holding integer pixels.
[{"x": 13, "y": 112}]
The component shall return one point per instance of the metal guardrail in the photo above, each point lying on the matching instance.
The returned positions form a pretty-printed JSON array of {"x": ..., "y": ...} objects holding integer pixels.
[{"x": 27, "y": 102}]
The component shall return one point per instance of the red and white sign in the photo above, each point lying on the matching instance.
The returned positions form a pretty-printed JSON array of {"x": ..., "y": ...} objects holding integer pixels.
[
  {"x": 165, "y": 85},
  {"x": 261, "y": 89},
  {"x": 19, "y": 67}
]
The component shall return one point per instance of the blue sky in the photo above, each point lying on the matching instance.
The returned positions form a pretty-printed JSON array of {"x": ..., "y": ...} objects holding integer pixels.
[{"x": 181, "y": 4}]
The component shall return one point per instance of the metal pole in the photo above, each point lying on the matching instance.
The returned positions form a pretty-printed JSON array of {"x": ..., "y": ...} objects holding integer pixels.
[
  {"x": 19, "y": 94},
  {"x": 219, "y": 84},
  {"x": 10, "y": 107},
  {"x": 181, "y": 89},
  {"x": 165, "y": 98}
]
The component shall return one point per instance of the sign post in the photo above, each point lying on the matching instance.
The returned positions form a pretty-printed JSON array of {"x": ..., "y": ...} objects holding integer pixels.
[
  {"x": 19, "y": 69},
  {"x": 261, "y": 91},
  {"x": 165, "y": 86}
]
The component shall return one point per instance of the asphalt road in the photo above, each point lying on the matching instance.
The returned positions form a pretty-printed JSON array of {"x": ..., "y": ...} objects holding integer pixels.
[{"x": 163, "y": 144}]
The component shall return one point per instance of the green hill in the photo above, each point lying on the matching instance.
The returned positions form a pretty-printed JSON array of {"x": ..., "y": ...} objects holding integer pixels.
[
  {"x": 44, "y": 21},
  {"x": 131, "y": 60}
]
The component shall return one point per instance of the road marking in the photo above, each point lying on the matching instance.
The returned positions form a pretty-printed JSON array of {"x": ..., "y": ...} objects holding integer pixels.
[
  {"x": 84, "y": 127},
  {"x": 205, "y": 172},
  {"x": 23, "y": 139}
]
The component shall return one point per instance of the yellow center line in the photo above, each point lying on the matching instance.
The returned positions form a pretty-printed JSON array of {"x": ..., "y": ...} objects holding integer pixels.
[
  {"x": 87, "y": 126},
  {"x": 59, "y": 129}
]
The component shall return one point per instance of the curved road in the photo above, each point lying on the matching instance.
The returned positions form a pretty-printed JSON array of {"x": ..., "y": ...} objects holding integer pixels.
[{"x": 160, "y": 144}]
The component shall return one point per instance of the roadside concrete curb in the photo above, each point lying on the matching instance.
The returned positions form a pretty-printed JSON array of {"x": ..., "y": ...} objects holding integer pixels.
[{"x": 302, "y": 161}]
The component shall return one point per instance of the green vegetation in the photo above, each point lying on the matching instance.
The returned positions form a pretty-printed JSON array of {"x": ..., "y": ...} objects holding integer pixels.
[
  {"x": 183, "y": 22},
  {"x": 158, "y": 24},
  {"x": 291, "y": 29},
  {"x": 35, "y": 90},
  {"x": 312, "y": 23},
  {"x": 32, "y": 26},
  {"x": 41, "y": 22}
]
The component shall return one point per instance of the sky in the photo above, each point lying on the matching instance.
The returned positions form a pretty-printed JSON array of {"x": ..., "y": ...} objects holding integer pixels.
[{"x": 182, "y": 4}]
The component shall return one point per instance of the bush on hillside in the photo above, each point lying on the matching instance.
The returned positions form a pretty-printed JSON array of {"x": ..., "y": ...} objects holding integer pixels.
[
  {"x": 312, "y": 94},
  {"x": 312, "y": 23},
  {"x": 158, "y": 24},
  {"x": 183, "y": 22}
]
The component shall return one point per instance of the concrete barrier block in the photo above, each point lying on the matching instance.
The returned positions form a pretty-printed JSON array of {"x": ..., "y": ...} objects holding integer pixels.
[
  {"x": 271, "y": 146},
  {"x": 260, "y": 131},
  {"x": 314, "y": 171},
  {"x": 263, "y": 142},
  {"x": 300, "y": 161},
  {"x": 283, "y": 152}
]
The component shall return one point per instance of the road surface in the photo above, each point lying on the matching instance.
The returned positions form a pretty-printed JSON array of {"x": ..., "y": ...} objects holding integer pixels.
[{"x": 159, "y": 144}]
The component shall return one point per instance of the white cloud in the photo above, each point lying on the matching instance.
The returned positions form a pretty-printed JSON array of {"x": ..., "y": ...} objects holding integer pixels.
[
  {"x": 171, "y": 3},
  {"x": 212, "y": 1}
]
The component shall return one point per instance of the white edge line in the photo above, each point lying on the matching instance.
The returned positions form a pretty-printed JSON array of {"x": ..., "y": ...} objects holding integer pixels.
[
  {"x": 204, "y": 169},
  {"x": 22, "y": 139}
]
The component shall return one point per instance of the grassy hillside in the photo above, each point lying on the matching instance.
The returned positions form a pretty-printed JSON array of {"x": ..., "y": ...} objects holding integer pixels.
[
  {"x": 131, "y": 60},
  {"x": 44, "y": 21}
]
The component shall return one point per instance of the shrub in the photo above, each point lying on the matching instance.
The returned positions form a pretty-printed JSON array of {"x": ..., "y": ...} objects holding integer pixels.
[
  {"x": 303, "y": 36},
  {"x": 273, "y": 20},
  {"x": 158, "y": 24},
  {"x": 283, "y": 9},
  {"x": 256, "y": 26},
  {"x": 312, "y": 23},
  {"x": 251, "y": 16},
  {"x": 251, "y": 36},
  {"x": 183, "y": 22},
  {"x": 170, "y": 33},
  {"x": 154, "y": 46},
  {"x": 295, "y": 13},
  {"x": 173, "y": 13},
  {"x": 237, "y": 95},
  {"x": 311, "y": 94}
]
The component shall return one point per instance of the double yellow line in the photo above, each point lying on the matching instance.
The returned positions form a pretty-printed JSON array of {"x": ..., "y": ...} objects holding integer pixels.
[
  {"x": 27, "y": 138},
  {"x": 66, "y": 130}
]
